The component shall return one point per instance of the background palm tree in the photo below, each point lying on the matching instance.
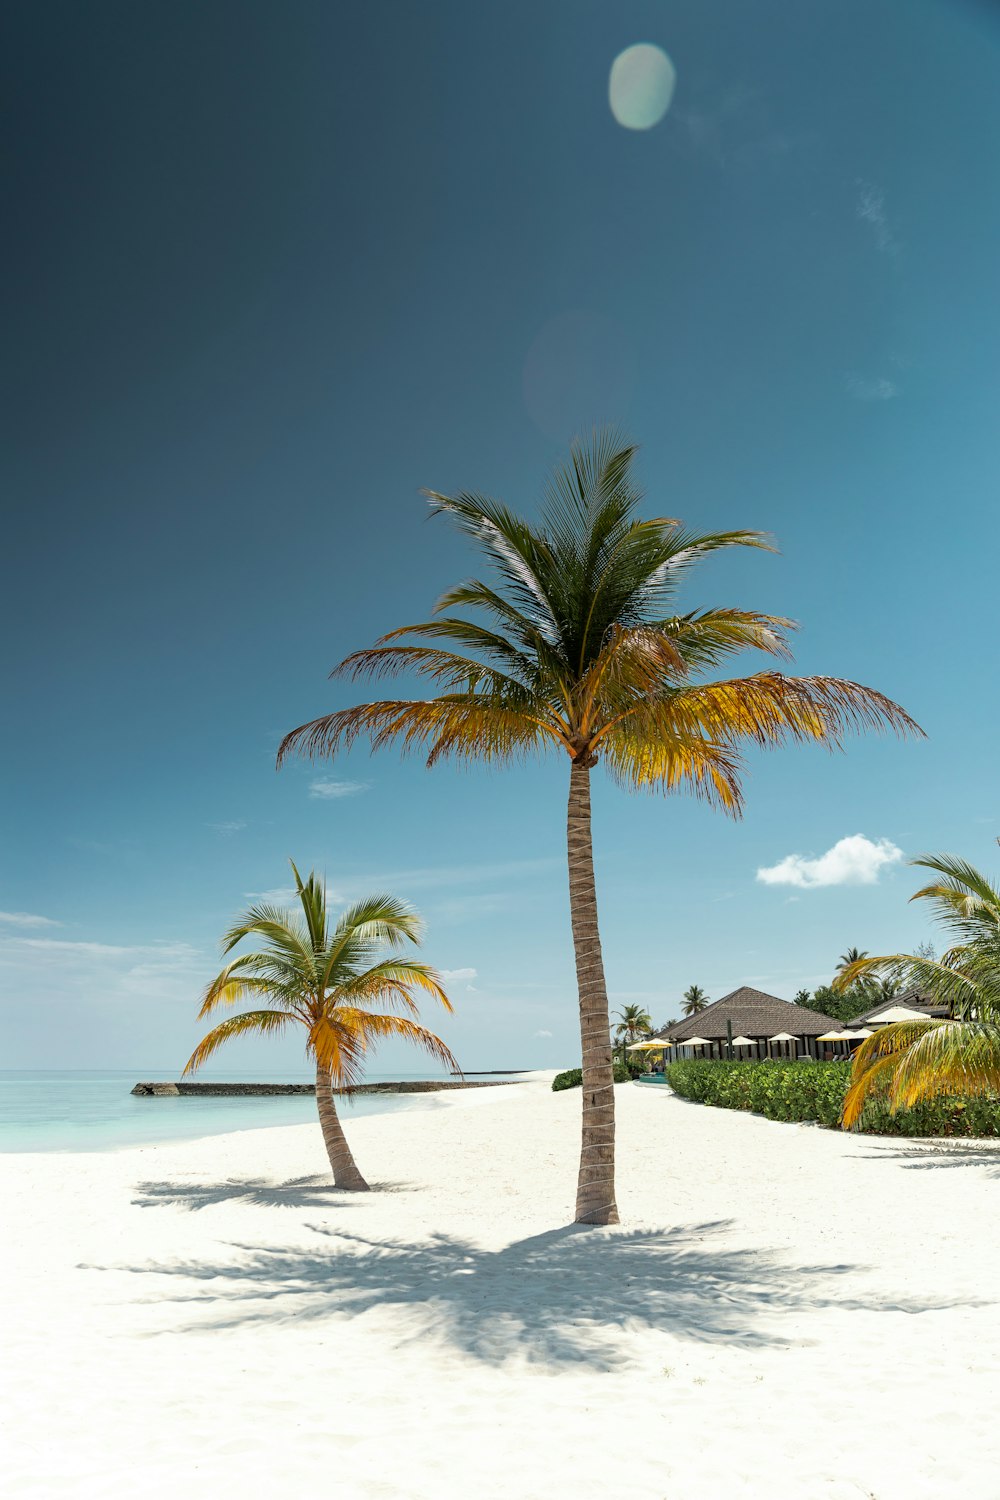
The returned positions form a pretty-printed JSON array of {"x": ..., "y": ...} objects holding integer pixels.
[
  {"x": 633, "y": 1023},
  {"x": 852, "y": 956},
  {"x": 920, "y": 1059},
  {"x": 695, "y": 999},
  {"x": 330, "y": 980},
  {"x": 575, "y": 649}
]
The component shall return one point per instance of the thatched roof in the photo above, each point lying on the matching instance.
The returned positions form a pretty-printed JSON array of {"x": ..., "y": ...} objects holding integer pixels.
[
  {"x": 915, "y": 999},
  {"x": 753, "y": 1014}
]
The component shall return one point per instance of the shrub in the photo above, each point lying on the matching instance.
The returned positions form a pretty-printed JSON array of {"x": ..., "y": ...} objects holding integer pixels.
[
  {"x": 815, "y": 1091},
  {"x": 573, "y": 1077}
]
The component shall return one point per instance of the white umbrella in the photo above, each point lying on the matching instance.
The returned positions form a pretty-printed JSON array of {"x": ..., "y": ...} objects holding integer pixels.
[
  {"x": 896, "y": 1013},
  {"x": 862, "y": 1031},
  {"x": 694, "y": 1041},
  {"x": 743, "y": 1041},
  {"x": 783, "y": 1036},
  {"x": 837, "y": 1036}
]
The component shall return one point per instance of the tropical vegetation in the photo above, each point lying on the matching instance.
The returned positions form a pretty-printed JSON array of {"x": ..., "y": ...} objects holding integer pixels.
[
  {"x": 634, "y": 1022},
  {"x": 342, "y": 981},
  {"x": 920, "y": 1060},
  {"x": 695, "y": 1000},
  {"x": 577, "y": 646},
  {"x": 816, "y": 1090}
]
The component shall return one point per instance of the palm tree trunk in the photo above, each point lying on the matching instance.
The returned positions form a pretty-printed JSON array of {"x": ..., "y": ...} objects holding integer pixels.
[
  {"x": 595, "y": 1193},
  {"x": 345, "y": 1168}
]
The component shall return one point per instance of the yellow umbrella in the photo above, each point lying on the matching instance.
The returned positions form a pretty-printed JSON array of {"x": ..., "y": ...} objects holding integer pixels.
[{"x": 650, "y": 1046}]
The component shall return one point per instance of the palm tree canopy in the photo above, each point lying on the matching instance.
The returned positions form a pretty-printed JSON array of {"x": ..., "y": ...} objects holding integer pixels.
[
  {"x": 344, "y": 981},
  {"x": 852, "y": 956},
  {"x": 920, "y": 1059},
  {"x": 574, "y": 645},
  {"x": 695, "y": 1000},
  {"x": 633, "y": 1021},
  {"x": 967, "y": 975}
]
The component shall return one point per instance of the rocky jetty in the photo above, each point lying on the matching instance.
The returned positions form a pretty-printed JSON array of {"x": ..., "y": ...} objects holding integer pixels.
[{"x": 258, "y": 1090}]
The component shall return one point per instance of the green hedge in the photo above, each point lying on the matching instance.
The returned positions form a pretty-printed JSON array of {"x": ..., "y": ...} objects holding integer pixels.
[
  {"x": 815, "y": 1091},
  {"x": 573, "y": 1078}
]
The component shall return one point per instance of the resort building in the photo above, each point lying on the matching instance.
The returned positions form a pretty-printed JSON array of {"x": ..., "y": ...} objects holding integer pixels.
[
  {"x": 756, "y": 1025},
  {"x": 911, "y": 1005}
]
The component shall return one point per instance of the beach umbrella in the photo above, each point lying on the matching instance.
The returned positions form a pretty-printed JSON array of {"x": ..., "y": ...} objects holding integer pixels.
[
  {"x": 837, "y": 1036},
  {"x": 694, "y": 1041},
  {"x": 862, "y": 1031},
  {"x": 649, "y": 1046},
  {"x": 743, "y": 1041},
  {"x": 783, "y": 1036}
]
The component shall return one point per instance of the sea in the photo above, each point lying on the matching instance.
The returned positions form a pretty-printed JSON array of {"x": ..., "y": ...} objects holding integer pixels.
[{"x": 83, "y": 1110}]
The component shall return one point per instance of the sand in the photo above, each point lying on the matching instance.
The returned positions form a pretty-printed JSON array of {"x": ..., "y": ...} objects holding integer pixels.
[{"x": 785, "y": 1311}]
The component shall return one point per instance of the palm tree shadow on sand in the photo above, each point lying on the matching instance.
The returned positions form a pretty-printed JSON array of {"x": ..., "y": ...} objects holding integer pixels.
[
  {"x": 560, "y": 1298},
  {"x": 260, "y": 1192}
]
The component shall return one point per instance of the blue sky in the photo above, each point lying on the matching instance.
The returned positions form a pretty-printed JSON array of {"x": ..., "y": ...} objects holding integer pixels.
[{"x": 270, "y": 270}]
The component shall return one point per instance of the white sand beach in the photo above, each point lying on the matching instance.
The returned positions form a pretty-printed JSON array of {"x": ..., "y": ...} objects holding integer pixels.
[{"x": 784, "y": 1311}]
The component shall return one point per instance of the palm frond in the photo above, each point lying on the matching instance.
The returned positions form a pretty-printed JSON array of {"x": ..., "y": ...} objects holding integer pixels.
[
  {"x": 465, "y": 726},
  {"x": 261, "y": 1022},
  {"x": 392, "y": 979},
  {"x": 371, "y": 1029}
]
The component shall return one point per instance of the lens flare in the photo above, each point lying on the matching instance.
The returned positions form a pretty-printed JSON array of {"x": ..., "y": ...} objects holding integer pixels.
[{"x": 641, "y": 86}]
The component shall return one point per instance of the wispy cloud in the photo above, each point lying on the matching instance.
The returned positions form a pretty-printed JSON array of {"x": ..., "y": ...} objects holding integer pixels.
[
  {"x": 458, "y": 974},
  {"x": 228, "y": 829},
  {"x": 855, "y": 860},
  {"x": 870, "y": 207},
  {"x": 871, "y": 388},
  {"x": 67, "y": 948},
  {"x": 543, "y": 1033},
  {"x": 26, "y": 919},
  {"x": 331, "y": 791},
  {"x": 279, "y": 895}
]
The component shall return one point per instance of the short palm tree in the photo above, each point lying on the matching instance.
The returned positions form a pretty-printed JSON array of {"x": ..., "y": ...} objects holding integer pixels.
[
  {"x": 695, "y": 1000},
  {"x": 633, "y": 1022},
  {"x": 920, "y": 1059},
  {"x": 576, "y": 649},
  {"x": 337, "y": 981}
]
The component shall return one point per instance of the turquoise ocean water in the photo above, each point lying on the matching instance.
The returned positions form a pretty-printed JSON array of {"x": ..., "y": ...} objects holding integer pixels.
[{"x": 94, "y": 1111}]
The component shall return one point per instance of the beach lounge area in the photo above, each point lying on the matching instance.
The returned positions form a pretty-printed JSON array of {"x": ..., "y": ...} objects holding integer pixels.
[{"x": 210, "y": 1318}]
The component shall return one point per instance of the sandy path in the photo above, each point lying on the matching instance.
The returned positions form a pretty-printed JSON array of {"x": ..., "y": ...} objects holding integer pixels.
[{"x": 784, "y": 1312}]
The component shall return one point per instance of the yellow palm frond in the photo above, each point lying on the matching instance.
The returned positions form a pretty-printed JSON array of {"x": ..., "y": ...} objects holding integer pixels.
[
  {"x": 261, "y": 1022},
  {"x": 374, "y": 1028},
  {"x": 955, "y": 1057},
  {"x": 466, "y": 726},
  {"x": 641, "y": 761},
  {"x": 875, "y": 1062},
  {"x": 770, "y": 708}
]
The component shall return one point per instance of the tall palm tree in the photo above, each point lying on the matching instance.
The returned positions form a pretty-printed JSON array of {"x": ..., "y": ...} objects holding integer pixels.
[
  {"x": 633, "y": 1022},
  {"x": 575, "y": 649},
  {"x": 921, "y": 1059},
  {"x": 852, "y": 956},
  {"x": 695, "y": 1000},
  {"x": 337, "y": 981}
]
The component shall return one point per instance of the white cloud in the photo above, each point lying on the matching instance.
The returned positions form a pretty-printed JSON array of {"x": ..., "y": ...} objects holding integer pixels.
[
  {"x": 26, "y": 919},
  {"x": 64, "y": 947},
  {"x": 458, "y": 974},
  {"x": 855, "y": 860},
  {"x": 543, "y": 1033},
  {"x": 867, "y": 388},
  {"x": 871, "y": 208},
  {"x": 226, "y": 829},
  {"x": 329, "y": 791}
]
